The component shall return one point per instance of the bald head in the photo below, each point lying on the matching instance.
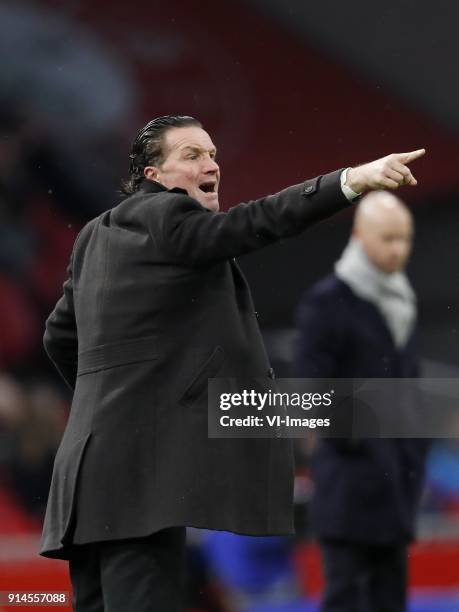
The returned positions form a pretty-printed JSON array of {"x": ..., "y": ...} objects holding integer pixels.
[{"x": 384, "y": 227}]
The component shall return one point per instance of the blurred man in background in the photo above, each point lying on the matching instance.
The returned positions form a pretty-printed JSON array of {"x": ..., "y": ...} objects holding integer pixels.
[
  {"x": 360, "y": 322},
  {"x": 153, "y": 307}
]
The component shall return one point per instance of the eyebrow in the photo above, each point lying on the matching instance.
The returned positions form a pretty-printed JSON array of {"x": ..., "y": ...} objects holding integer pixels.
[{"x": 196, "y": 148}]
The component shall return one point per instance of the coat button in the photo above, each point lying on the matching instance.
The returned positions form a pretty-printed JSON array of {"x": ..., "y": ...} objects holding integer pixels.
[
  {"x": 271, "y": 373},
  {"x": 308, "y": 189}
]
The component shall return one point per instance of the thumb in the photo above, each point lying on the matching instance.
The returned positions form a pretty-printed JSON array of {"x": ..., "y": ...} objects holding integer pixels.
[{"x": 407, "y": 158}]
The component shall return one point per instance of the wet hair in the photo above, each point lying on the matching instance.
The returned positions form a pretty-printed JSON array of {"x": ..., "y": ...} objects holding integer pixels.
[{"x": 147, "y": 148}]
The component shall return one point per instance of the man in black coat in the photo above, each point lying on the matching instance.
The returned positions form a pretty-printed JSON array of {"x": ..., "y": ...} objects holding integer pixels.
[
  {"x": 154, "y": 305},
  {"x": 360, "y": 322}
]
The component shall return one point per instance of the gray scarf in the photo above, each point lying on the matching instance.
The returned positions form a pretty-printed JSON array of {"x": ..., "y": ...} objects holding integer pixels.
[{"x": 390, "y": 293}]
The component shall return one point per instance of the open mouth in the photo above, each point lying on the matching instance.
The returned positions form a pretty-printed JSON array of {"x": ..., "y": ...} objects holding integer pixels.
[{"x": 208, "y": 187}]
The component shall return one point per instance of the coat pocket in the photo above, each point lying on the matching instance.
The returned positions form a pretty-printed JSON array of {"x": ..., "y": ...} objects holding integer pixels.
[
  {"x": 61, "y": 503},
  {"x": 114, "y": 354},
  {"x": 210, "y": 367}
]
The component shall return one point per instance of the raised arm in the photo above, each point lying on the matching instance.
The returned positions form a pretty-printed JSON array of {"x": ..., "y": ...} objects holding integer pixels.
[{"x": 195, "y": 235}]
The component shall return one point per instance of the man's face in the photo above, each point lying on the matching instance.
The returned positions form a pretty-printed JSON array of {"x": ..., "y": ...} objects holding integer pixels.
[
  {"x": 189, "y": 163},
  {"x": 388, "y": 243}
]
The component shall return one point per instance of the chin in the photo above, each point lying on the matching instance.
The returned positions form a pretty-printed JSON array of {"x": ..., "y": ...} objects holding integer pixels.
[
  {"x": 391, "y": 269},
  {"x": 213, "y": 206}
]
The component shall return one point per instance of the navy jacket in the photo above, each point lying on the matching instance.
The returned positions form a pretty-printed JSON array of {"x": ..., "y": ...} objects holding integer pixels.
[{"x": 366, "y": 491}]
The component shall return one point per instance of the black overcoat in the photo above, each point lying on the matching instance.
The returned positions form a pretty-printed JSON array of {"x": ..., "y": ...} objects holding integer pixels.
[{"x": 153, "y": 306}]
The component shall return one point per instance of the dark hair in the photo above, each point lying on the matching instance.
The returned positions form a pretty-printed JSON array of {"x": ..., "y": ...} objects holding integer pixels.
[{"x": 147, "y": 148}]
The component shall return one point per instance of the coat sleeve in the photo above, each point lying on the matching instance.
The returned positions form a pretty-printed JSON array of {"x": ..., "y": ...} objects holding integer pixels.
[
  {"x": 321, "y": 344},
  {"x": 191, "y": 234},
  {"x": 318, "y": 341},
  {"x": 319, "y": 347},
  {"x": 60, "y": 339}
]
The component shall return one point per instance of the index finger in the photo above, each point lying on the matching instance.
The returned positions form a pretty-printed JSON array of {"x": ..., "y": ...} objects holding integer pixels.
[{"x": 407, "y": 158}]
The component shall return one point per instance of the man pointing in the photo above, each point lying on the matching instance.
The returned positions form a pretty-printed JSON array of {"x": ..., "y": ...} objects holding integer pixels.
[{"x": 154, "y": 306}]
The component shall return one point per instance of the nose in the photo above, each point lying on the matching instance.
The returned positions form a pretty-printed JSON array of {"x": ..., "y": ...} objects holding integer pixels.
[
  {"x": 211, "y": 166},
  {"x": 399, "y": 249}
]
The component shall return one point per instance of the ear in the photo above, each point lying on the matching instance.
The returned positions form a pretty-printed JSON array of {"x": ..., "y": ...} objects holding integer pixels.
[{"x": 151, "y": 173}]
